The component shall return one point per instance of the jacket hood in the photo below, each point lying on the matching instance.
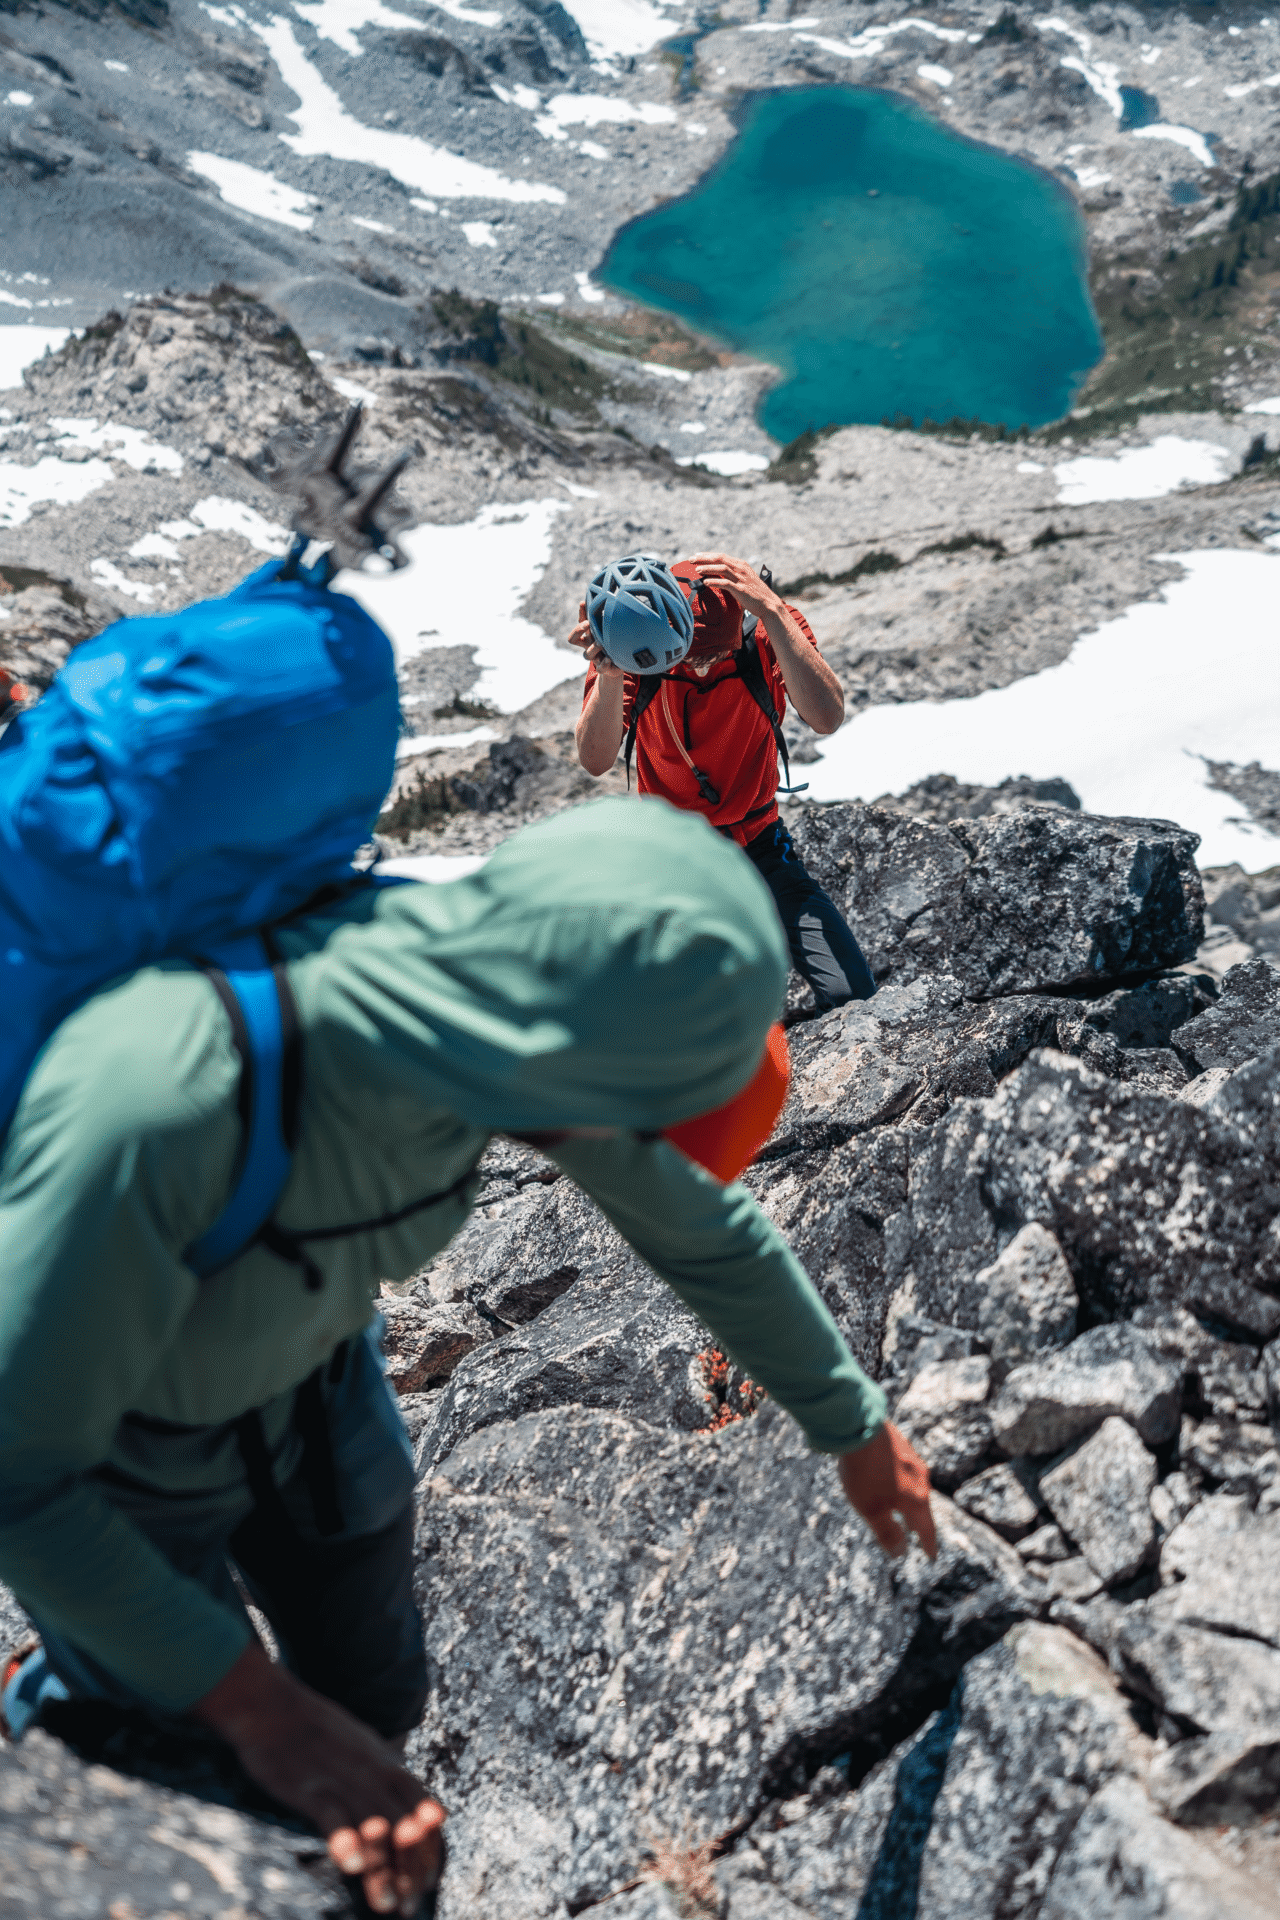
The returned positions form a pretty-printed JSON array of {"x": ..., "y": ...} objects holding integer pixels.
[{"x": 618, "y": 965}]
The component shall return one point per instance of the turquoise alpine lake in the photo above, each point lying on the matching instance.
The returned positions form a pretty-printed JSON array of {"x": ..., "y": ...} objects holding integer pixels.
[{"x": 884, "y": 264}]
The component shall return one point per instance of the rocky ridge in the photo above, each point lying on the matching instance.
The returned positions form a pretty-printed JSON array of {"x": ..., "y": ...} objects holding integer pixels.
[{"x": 1035, "y": 1180}]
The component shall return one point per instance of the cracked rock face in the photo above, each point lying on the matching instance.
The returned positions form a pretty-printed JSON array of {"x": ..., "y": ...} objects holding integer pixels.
[
  {"x": 1012, "y": 903},
  {"x": 680, "y": 1624}
]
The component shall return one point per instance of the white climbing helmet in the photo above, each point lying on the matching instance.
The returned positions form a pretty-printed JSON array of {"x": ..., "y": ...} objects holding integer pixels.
[{"x": 639, "y": 614}]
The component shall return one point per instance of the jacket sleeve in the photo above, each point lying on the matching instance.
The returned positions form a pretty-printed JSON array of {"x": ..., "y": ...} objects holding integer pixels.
[
  {"x": 715, "y": 1248},
  {"x": 92, "y": 1203}
]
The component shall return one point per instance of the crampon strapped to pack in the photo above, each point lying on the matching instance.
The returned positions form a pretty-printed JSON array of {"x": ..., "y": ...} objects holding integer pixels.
[{"x": 190, "y": 777}]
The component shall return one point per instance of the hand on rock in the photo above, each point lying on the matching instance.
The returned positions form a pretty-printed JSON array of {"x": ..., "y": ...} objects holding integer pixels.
[
  {"x": 887, "y": 1479},
  {"x": 320, "y": 1760}
]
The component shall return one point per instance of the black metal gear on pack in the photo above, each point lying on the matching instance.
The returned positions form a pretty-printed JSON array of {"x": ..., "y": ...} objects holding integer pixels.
[{"x": 343, "y": 511}]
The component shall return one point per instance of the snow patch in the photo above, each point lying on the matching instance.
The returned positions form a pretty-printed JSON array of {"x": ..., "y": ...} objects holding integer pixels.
[
  {"x": 352, "y": 390},
  {"x": 133, "y": 445},
  {"x": 1128, "y": 717},
  {"x": 214, "y": 514},
  {"x": 479, "y": 233},
  {"x": 727, "y": 461},
  {"x": 1264, "y": 406},
  {"x": 1195, "y": 143},
  {"x": 325, "y": 127},
  {"x": 664, "y": 373},
  {"x": 254, "y": 191},
  {"x": 21, "y": 346},
  {"x": 594, "y": 109},
  {"x": 1238, "y": 93},
  {"x": 433, "y": 866},
  {"x": 110, "y": 575},
  {"x": 616, "y": 29},
  {"x": 470, "y": 581},
  {"x": 49, "y": 479},
  {"x": 341, "y": 20},
  {"x": 1103, "y": 77},
  {"x": 428, "y": 742},
  {"x": 1143, "y": 473},
  {"x": 940, "y": 76},
  {"x": 585, "y": 289}
]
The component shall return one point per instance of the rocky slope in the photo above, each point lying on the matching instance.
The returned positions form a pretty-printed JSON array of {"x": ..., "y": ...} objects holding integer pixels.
[
  {"x": 1035, "y": 1180},
  {"x": 343, "y": 160}
]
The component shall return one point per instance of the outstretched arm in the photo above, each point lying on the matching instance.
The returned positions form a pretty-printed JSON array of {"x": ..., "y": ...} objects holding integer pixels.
[
  {"x": 600, "y": 724},
  {"x": 812, "y": 686},
  {"x": 728, "y": 1262}
]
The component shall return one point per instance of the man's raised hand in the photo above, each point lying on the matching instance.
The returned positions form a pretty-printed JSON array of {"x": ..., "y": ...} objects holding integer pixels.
[
  {"x": 888, "y": 1484},
  {"x": 581, "y": 636},
  {"x": 322, "y": 1762},
  {"x": 736, "y": 577}
]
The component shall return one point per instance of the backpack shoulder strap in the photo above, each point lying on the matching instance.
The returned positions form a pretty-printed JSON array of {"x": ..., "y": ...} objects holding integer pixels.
[
  {"x": 750, "y": 670},
  {"x": 645, "y": 694},
  {"x": 252, "y": 983}
]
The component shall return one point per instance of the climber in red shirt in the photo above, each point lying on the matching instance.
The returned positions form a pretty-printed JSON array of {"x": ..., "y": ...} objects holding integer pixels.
[{"x": 702, "y": 708}]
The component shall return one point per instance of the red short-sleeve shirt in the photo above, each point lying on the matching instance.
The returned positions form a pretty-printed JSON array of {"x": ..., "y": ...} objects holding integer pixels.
[{"x": 724, "y": 733}]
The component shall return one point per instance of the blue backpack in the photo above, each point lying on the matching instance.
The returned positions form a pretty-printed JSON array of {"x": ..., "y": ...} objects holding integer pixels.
[{"x": 188, "y": 778}]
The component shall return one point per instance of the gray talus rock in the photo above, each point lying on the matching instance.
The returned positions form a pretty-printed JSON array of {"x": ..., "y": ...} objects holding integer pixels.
[
  {"x": 1209, "y": 1681},
  {"x": 965, "y": 1820},
  {"x": 79, "y": 1839},
  {"x": 1226, "y": 1779},
  {"x": 1100, "y": 1495},
  {"x": 1124, "y": 1861},
  {"x": 1144, "y": 1019},
  {"x": 1146, "y": 1195},
  {"x": 1048, "y": 1543},
  {"x": 424, "y": 1341},
  {"x": 1048, "y": 1403},
  {"x": 1008, "y": 904},
  {"x": 1238, "y": 1455},
  {"x": 639, "y": 1635},
  {"x": 1027, "y": 1299},
  {"x": 1044, "y": 1727},
  {"x": 1244, "y": 1023},
  {"x": 1004, "y": 1498},
  {"x": 616, "y": 1339},
  {"x": 1221, "y": 1569},
  {"x": 832, "y": 1203},
  {"x": 943, "y": 1416},
  {"x": 909, "y": 1053},
  {"x": 1071, "y": 1581}
]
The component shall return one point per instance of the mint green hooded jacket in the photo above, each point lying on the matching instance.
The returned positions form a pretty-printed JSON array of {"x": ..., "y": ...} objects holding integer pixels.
[{"x": 616, "y": 967}]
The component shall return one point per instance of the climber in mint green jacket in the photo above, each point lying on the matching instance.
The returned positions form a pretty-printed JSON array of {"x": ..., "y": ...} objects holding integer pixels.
[{"x": 607, "y": 975}]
